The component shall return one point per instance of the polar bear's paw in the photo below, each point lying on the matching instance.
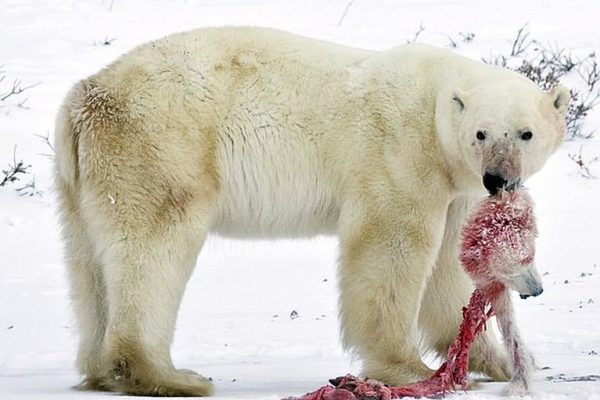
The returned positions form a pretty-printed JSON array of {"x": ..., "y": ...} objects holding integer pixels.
[
  {"x": 94, "y": 384},
  {"x": 516, "y": 388},
  {"x": 497, "y": 369},
  {"x": 133, "y": 377},
  {"x": 397, "y": 374},
  {"x": 488, "y": 358}
]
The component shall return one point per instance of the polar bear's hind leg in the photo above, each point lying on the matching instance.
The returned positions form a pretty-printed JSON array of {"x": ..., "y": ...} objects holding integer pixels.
[{"x": 144, "y": 194}]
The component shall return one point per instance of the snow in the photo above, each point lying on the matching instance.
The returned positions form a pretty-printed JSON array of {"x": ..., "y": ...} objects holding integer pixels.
[{"x": 234, "y": 323}]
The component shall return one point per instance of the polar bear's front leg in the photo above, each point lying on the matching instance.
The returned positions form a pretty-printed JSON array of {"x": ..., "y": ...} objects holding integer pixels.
[
  {"x": 447, "y": 291},
  {"x": 385, "y": 260}
]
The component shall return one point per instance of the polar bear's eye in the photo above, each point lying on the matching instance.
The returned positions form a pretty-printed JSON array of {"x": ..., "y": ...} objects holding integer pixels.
[
  {"x": 526, "y": 135},
  {"x": 480, "y": 135}
]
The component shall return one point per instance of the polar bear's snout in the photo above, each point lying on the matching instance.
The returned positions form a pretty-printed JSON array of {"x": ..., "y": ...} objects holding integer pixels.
[
  {"x": 501, "y": 166},
  {"x": 494, "y": 182}
]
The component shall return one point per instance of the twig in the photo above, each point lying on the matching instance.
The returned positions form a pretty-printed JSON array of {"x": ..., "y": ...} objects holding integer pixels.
[
  {"x": 417, "y": 34},
  {"x": 521, "y": 42},
  {"x": 46, "y": 139},
  {"x": 452, "y": 43},
  {"x": 591, "y": 72},
  {"x": 10, "y": 175},
  {"x": 17, "y": 89},
  {"x": 29, "y": 189},
  {"x": 583, "y": 165},
  {"x": 107, "y": 41},
  {"x": 467, "y": 37},
  {"x": 345, "y": 12},
  {"x": 22, "y": 105},
  {"x": 578, "y": 110}
]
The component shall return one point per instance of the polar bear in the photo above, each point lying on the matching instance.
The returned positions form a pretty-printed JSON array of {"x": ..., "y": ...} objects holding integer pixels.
[{"x": 258, "y": 133}]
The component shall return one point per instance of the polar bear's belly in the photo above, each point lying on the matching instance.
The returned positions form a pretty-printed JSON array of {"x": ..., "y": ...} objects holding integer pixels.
[{"x": 273, "y": 184}]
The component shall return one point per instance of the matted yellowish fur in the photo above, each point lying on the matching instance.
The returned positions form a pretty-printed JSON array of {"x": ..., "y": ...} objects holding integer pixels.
[{"x": 258, "y": 133}]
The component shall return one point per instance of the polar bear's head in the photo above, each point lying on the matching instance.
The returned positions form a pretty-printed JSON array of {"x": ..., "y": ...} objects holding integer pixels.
[{"x": 507, "y": 130}]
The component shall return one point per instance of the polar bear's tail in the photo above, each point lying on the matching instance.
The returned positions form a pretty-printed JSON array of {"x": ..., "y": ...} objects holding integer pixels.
[{"x": 67, "y": 131}]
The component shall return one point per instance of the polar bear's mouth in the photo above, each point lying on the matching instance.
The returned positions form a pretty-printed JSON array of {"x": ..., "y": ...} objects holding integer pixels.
[{"x": 493, "y": 183}]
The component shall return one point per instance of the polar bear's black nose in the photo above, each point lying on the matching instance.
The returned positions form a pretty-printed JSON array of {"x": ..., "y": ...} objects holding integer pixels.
[{"x": 493, "y": 183}]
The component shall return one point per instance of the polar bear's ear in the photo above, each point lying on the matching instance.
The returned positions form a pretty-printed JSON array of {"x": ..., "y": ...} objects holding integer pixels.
[
  {"x": 459, "y": 97},
  {"x": 560, "y": 98}
]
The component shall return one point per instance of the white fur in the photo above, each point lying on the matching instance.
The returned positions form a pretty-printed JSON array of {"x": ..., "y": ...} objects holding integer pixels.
[
  {"x": 521, "y": 359},
  {"x": 258, "y": 133}
]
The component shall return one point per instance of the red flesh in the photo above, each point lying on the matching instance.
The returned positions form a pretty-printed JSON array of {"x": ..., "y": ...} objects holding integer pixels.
[{"x": 503, "y": 226}]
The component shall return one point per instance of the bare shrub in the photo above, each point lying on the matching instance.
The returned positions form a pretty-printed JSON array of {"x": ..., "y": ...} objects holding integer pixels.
[
  {"x": 14, "y": 171},
  {"x": 546, "y": 66},
  {"x": 13, "y": 91},
  {"x": 584, "y": 165}
]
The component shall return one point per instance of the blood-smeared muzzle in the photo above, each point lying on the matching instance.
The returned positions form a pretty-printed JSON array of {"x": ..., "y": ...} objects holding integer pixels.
[{"x": 502, "y": 167}]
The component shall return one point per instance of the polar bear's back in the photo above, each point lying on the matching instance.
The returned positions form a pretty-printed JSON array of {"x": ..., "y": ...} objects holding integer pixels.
[
  {"x": 213, "y": 54},
  {"x": 258, "y": 104}
]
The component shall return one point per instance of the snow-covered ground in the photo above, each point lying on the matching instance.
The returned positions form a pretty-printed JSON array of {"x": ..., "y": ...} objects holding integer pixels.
[{"x": 235, "y": 323}]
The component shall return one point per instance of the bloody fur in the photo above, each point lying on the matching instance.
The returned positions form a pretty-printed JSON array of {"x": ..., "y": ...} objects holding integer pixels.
[{"x": 499, "y": 234}]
